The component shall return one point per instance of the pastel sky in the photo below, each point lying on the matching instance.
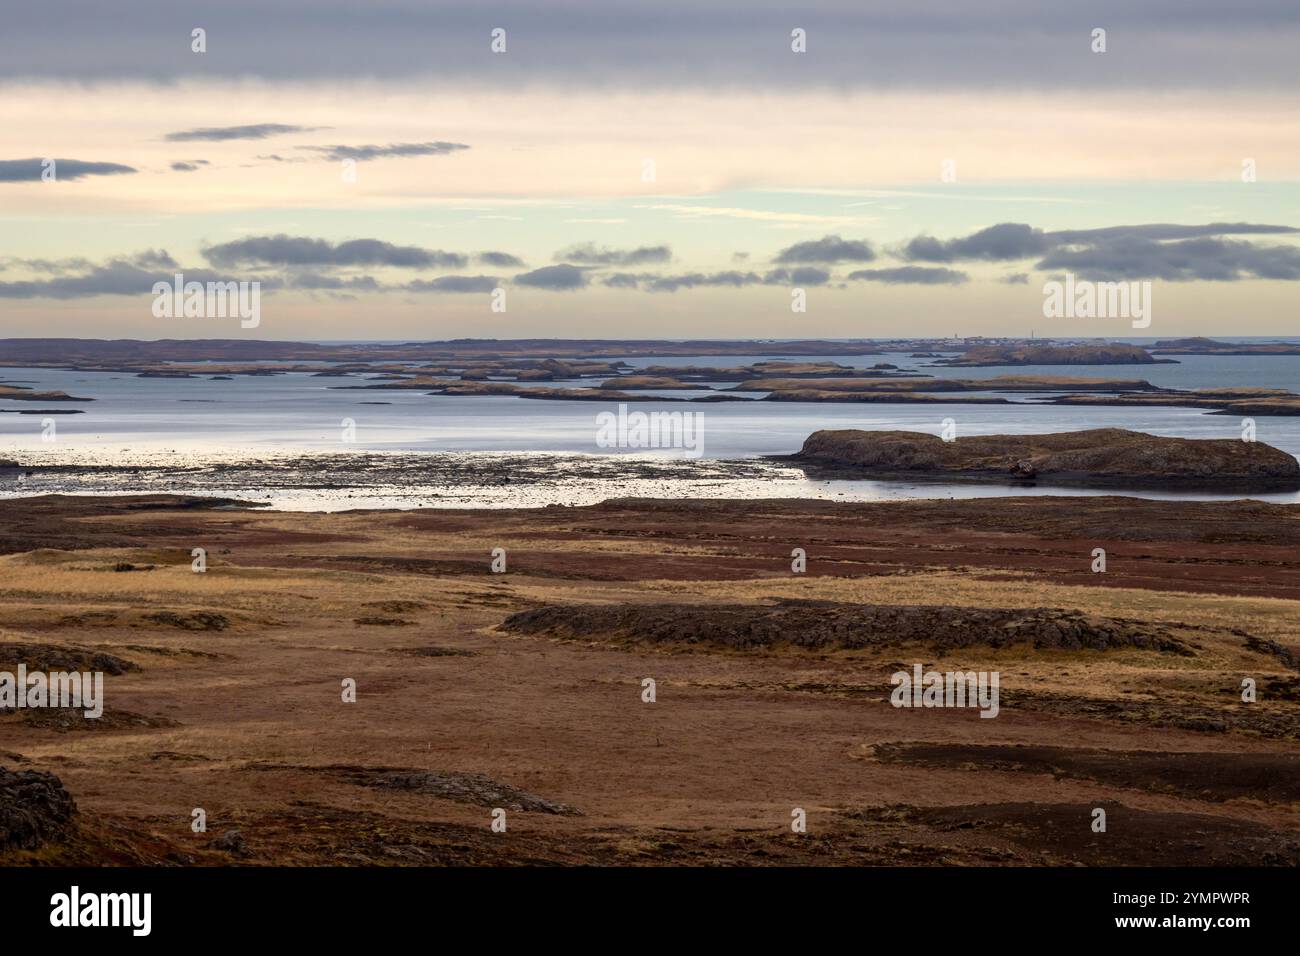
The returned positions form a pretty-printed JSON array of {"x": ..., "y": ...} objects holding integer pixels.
[{"x": 648, "y": 170}]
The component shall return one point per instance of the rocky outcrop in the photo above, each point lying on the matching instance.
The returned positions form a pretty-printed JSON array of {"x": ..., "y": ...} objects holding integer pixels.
[
  {"x": 34, "y": 809},
  {"x": 474, "y": 788},
  {"x": 824, "y": 625},
  {"x": 62, "y": 657},
  {"x": 1103, "y": 456}
]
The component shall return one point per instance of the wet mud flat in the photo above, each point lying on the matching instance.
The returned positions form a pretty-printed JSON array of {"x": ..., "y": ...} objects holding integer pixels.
[{"x": 525, "y": 691}]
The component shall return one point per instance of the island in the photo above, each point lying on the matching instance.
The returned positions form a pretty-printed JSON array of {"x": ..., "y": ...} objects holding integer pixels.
[{"x": 1100, "y": 457}]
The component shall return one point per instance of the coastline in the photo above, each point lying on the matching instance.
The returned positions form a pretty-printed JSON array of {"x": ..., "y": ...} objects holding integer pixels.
[{"x": 287, "y": 480}]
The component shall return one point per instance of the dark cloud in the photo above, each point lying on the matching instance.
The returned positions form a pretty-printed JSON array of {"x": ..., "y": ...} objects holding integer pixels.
[
  {"x": 589, "y": 254},
  {"x": 1015, "y": 278},
  {"x": 1211, "y": 259},
  {"x": 189, "y": 166},
  {"x": 282, "y": 250},
  {"x": 910, "y": 275},
  {"x": 503, "y": 260},
  {"x": 1005, "y": 241},
  {"x": 1168, "y": 231},
  {"x": 563, "y": 277},
  {"x": 803, "y": 275},
  {"x": 364, "y": 153},
  {"x": 146, "y": 259},
  {"x": 1022, "y": 45},
  {"x": 216, "y": 134},
  {"x": 324, "y": 282},
  {"x": 693, "y": 280},
  {"x": 65, "y": 170},
  {"x": 115, "y": 277},
  {"x": 828, "y": 249},
  {"x": 454, "y": 284},
  {"x": 1010, "y": 241}
]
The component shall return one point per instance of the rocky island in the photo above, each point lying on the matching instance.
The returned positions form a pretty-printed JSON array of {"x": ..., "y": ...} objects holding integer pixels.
[
  {"x": 1106, "y": 353},
  {"x": 1106, "y": 457}
]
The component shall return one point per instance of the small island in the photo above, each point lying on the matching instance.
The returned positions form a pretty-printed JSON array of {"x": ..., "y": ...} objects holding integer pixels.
[
  {"x": 1102, "y": 457},
  {"x": 1107, "y": 353}
]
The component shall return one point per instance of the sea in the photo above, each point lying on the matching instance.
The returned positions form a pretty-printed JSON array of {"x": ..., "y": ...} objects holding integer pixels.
[{"x": 300, "y": 442}]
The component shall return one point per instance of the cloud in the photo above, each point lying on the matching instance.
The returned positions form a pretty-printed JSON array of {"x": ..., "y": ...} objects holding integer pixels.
[
  {"x": 320, "y": 281},
  {"x": 625, "y": 280},
  {"x": 563, "y": 277},
  {"x": 910, "y": 275},
  {"x": 1005, "y": 241},
  {"x": 282, "y": 250},
  {"x": 803, "y": 275},
  {"x": 188, "y": 166},
  {"x": 216, "y": 134},
  {"x": 364, "y": 153},
  {"x": 1016, "y": 44},
  {"x": 739, "y": 212},
  {"x": 122, "y": 276},
  {"x": 146, "y": 259},
  {"x": 588, "y": 254},
  {"x": 828, "y": 249},
  {"x": 153, "y": 259},
  {"x": 454, "y": 284},
  {"x": 1010, "y": 241},
  {"x": 1015, "y": 278},
  {"x": 693, "y": 280},
  {"x": 1207, "y": 258},
  {"x": 65, "y": 170},
  {"x": 1169, "y": 231},
  {"x": 500, "y": 259},
  {"x": 52, "y": 266}
]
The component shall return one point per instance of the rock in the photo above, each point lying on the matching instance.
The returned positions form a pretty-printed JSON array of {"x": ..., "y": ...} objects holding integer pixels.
[
  {"x": 194, "y": 621},
  {"x": 232, "y": 841},
  {"x": 63, "y": 657},
  {"x": 34, "y": 809}
]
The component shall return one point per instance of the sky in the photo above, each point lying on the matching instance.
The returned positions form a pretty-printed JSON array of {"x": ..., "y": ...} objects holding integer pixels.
[{"x": 632, "y": 170}]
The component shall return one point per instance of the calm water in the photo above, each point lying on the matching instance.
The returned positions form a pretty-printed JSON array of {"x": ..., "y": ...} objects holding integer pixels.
[{"x": 171, "y": 428}]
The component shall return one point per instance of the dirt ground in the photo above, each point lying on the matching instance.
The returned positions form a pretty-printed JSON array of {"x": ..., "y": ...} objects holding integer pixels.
[{"x": 1120, "y": 692}]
